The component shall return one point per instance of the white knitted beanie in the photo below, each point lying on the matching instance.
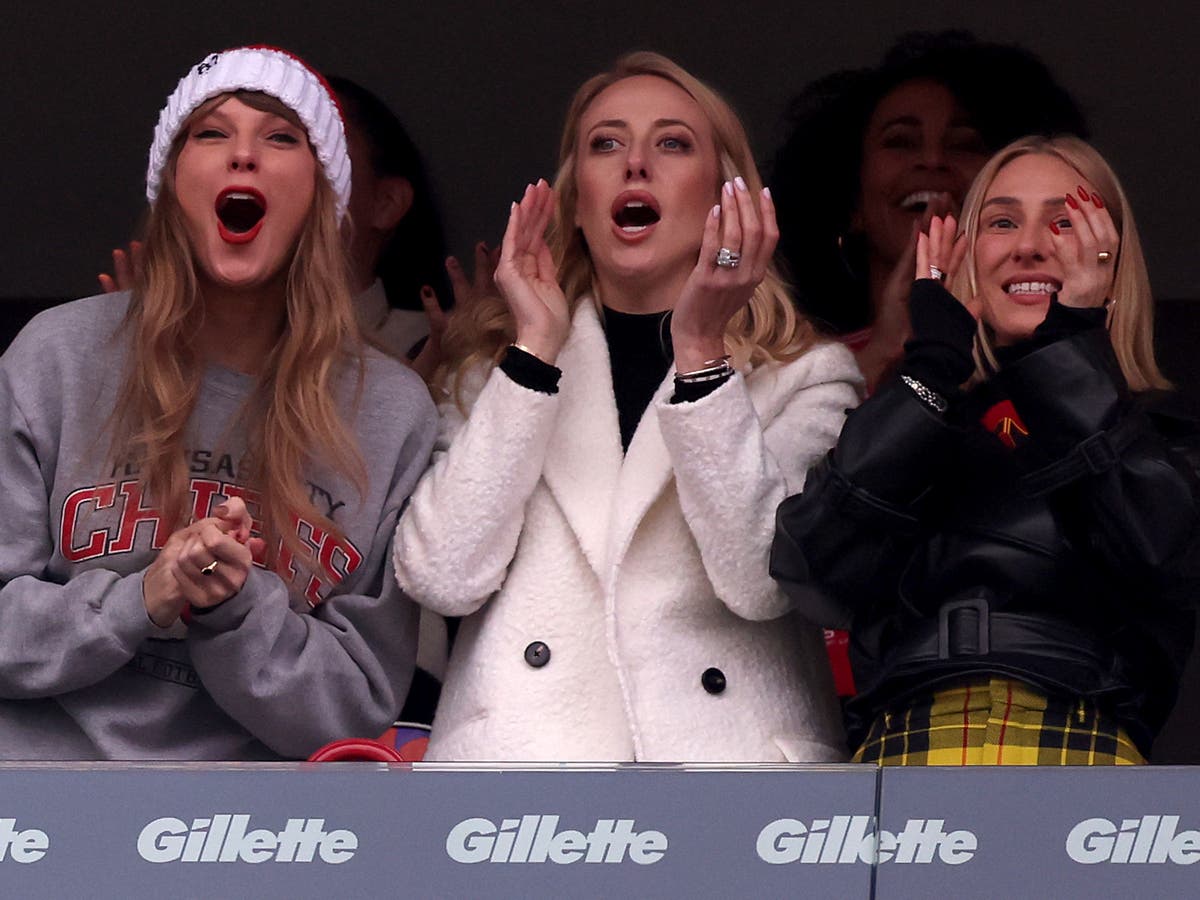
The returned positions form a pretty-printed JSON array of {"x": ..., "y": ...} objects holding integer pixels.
[{"x": 272, "y": 71}]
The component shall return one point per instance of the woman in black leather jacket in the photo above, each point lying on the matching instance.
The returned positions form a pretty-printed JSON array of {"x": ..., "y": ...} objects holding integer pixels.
[{"x": 1007, "y": 531}]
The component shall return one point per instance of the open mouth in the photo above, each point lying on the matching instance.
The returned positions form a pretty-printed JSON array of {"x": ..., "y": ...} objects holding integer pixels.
[
  {"x": 240, "y": 213},
  {"x": 1032, "y": 287},
  {"x": 634, "y": 213},
  {"x": 919, "y": 201}
]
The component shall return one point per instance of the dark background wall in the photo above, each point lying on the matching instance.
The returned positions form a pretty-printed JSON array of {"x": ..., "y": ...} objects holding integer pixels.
[{"x": 483, "y": 86}]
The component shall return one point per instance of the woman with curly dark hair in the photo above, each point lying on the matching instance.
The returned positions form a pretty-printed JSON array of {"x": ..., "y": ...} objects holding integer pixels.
[{"x": 874, "y": 153}]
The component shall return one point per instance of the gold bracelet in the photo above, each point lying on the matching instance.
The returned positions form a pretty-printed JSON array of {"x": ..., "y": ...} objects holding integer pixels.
[{"x": 525, "y": 349}]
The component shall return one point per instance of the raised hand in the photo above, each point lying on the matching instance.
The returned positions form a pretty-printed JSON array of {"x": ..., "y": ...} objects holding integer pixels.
[
  {"x": 467, "y": 292},
  {"x": 482, "y": 281},
  {"x": 126, "y": 266},
  {"x": 940, "y": 254},
  {"x": 744, "y": 223},
  {"x": 1087, "y": 250},
  {"x": 527, "y": 277},
  {"x": 427, "y": 361}
]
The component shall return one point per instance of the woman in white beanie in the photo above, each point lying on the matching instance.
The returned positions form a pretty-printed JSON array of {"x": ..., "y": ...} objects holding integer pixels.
[{"x": 192, "y": 550}]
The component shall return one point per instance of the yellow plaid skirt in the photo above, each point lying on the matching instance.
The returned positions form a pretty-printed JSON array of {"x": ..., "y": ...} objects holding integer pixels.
[{"x": 995, "y": 721}]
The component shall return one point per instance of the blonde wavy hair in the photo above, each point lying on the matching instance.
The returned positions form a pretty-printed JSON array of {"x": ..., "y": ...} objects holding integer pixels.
[
  {"x": 1131, "y": 318},
  {"x": 291, "y": 419},
  {"x": 767, "y": 329}
]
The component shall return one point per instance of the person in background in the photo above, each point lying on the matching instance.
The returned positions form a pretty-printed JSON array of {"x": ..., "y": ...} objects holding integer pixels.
[
  {"x": 398, "y": 273},
  {"x": 873, "y": 154},
  {"x": 617, "y": 428},
  {"x": 397, "y": 251},
  {"x": 1007, "y": 526},
  {"x": 199, "y": 499}
]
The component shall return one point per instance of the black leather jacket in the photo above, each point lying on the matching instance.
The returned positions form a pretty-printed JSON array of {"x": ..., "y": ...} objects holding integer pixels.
[{"x": 1071, "y": 561}]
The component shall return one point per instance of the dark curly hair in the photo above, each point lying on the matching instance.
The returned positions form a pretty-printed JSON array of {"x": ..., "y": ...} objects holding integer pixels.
[{"x": 1006, "y": 91}]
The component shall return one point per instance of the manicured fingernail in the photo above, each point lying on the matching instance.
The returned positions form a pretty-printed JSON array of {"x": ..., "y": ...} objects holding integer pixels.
[
  {"x": 451, "y": 262},
  {"x": 1083, "y": 195},
  {"x": 1071, "y": 202},
  {"x": 728, "y": 188},
  {"x": 767, "y": 193},
  {"x": 427, "y": 292},
  {"x": 740, "y": 183},
  {"x": 1099, "y": 203},
  {"x": 716, "y": 211},
  {"x": 1054, "y": 227}
]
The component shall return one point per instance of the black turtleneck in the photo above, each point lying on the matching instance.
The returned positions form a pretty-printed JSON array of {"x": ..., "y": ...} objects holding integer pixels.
[{"x": 639, "y": 354}]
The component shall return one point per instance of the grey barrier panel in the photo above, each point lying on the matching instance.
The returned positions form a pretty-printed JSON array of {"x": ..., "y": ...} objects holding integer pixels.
[
  {"x": 1047, "y": 831},
  {"x": 370, "y": 830}
]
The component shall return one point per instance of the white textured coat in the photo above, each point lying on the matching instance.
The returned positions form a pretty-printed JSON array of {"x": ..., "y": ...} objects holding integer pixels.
[{"x": 639, "y": 571}]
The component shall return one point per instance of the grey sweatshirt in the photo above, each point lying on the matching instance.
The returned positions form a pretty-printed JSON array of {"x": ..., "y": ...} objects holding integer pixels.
[{"x": 286, "y": 665}]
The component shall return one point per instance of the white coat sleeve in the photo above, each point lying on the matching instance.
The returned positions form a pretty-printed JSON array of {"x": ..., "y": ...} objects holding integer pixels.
[
  {"x": 732, "y": 471},
  {"x": 459, "y": 533}
]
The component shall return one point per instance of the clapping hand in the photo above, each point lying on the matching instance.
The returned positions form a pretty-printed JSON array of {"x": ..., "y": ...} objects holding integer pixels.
[
  {"x": 1087, "y": 251},
  {"x": 467, "y": 291},
  {"x": 940, "y": 254},
  {"x": 127, "y": 265},
  {"x": 527, "y": 277},
  {"x": 202, "y": 564},
  {"x": 738, "y": 243}
]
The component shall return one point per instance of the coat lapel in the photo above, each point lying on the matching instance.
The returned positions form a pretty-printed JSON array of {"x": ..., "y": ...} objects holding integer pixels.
[
  {"x": 583, "y": 459},
  {"x": 644, "y": 474}
]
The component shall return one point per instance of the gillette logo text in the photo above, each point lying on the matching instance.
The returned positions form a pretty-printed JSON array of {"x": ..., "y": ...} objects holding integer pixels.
[
  {"x": 26, "y": 846},
  {"x": 227, "y": 838},
  {"x": 849, "y": 839},
  {"x": 536, "y": 839},
  {"x": 1150, "y": 839}
]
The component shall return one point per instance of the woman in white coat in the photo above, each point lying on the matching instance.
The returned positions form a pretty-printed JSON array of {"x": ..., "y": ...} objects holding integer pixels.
[{"x": 617, "y": 431}]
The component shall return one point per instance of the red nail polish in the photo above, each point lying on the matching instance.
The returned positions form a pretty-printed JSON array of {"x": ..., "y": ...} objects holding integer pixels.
[
  {"x": 1099, "y": 203},
  {"x": 1071, "y": 202},
  {"x": 1083, "y": 195},
  {"x": 1054, "y": 227}
]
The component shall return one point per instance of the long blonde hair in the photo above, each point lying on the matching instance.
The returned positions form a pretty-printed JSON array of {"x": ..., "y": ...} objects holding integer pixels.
[
  {"x": 767, "y": 328},
  {"x": 291, "y": 418},
  {"x": 1131, "y": 321}
]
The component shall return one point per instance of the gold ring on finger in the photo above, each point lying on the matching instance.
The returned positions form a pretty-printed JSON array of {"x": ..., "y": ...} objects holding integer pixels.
[
  {"x": 1104, "y": 256},
  {"x": 209, "y": 569}
]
